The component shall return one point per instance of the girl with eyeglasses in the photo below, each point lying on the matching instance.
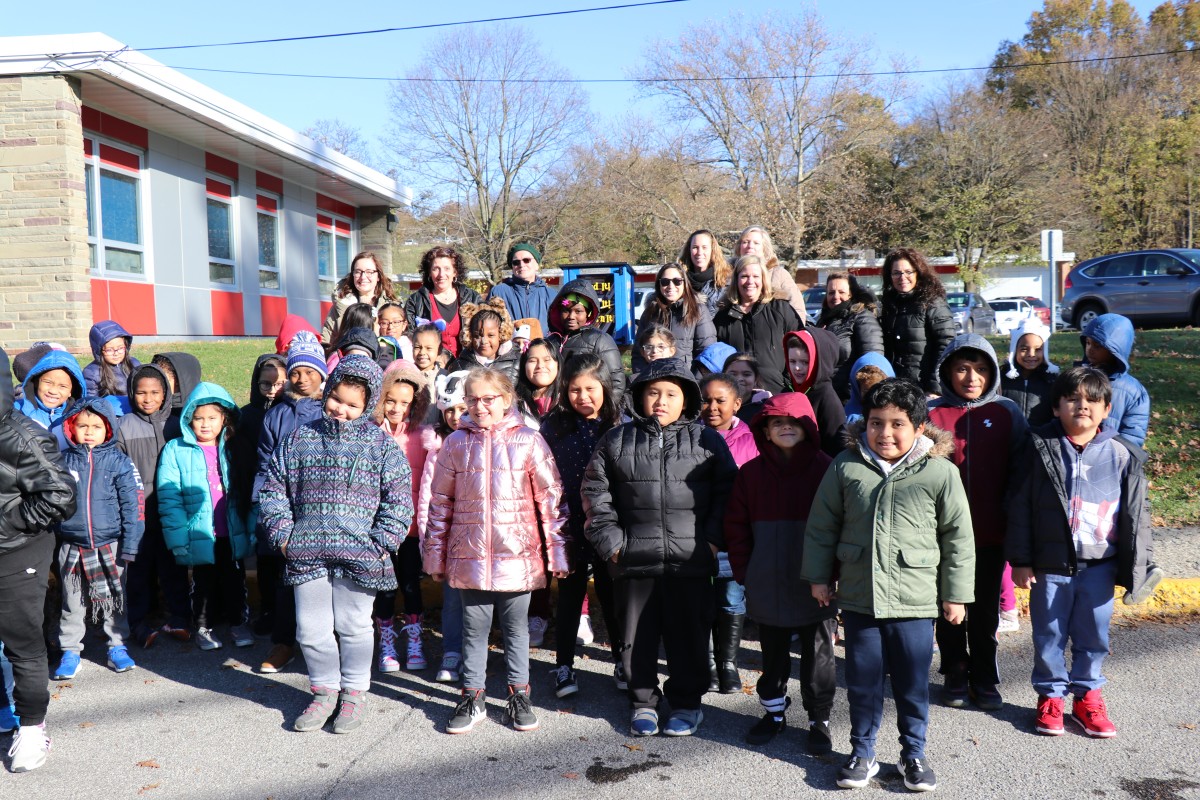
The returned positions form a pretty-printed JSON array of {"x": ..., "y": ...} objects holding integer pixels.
[
  {"x": 677, "y": 307},
  {"x": 112, "y": 364},
  {"x": 366, "y": 282},
  {"x": 496, "y": 522}
]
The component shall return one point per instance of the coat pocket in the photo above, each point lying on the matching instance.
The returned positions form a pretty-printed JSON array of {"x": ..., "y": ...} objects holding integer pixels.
[
  {"x": 848, "y": 553},
  {"x": 918, "y": 576}
]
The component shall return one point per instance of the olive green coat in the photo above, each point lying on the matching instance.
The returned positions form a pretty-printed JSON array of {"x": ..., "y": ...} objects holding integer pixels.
[{"x": 895, "y": 544}]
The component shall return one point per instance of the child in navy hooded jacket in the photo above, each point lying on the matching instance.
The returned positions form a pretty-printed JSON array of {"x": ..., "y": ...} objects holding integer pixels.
[{"x": 100, "y": 538}]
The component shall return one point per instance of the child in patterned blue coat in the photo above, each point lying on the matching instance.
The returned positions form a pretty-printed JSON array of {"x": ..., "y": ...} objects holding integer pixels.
[{"x": 337, "y": 503}]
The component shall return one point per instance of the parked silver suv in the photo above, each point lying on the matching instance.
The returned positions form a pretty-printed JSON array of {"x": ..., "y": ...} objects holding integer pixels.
[{"x": 1151, "y": 287}]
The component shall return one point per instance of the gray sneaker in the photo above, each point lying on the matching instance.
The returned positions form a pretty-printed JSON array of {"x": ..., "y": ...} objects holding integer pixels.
[
  {"x": 243, "y": 635},
  {"x": 207, "y": 640},
  {"x": 350, "y": 715},
  {"x": 319, "y": 711}
]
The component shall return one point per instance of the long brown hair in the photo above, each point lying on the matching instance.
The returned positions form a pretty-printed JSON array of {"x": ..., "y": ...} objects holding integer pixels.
[
  {"x": 659, "y": 310},
  {"x": 928, "y": 287},
  {"x": 382, "y": 288},
  {"x": 722, "y": 270}
]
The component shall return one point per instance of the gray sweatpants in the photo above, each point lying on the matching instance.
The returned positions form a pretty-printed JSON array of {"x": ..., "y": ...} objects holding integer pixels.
[
  {"x": 72, "y": 625},
  {"x": 477, "y": 608},
  {"x": 326, "y": 606}
]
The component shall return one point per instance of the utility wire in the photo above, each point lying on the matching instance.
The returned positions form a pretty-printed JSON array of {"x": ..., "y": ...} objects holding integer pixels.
[
  {"x": 691, "y": 79},
  {"x": 426, "y": 27}
]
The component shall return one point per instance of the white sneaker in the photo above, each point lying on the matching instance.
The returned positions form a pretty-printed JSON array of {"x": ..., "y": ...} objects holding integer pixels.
[
  {"x": 537, "y": 631},
  {"x": 29, "y": 748},
  {"x": 1009, "y": 622},
  {"x": 449, "y": 671},
  {"x": 207, "y": 640},
  {"x": 585, "y": 635}
]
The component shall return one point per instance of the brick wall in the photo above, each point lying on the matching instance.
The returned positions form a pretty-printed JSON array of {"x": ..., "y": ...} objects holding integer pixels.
[{"x": 45, "y": 292}]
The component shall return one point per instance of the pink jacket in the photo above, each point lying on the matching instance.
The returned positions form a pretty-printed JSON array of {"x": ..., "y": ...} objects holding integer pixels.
[
  {"x": 741, "y": 442},
  {"x": 497, "y": 514},
  {"x": 411, "y": 442},
  {"x": 431, "y": 443}
]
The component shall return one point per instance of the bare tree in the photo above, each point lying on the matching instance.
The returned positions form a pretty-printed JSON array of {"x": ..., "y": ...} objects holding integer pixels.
[
  {"x": 337, "y": 135},
  {"x": 483, "y": 118},
  {"x": 776, "y": 100}
]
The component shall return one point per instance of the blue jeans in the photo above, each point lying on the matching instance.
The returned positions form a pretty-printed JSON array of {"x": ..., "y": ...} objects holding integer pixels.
[
  {"x": 1078, "y": 607},
  {"x": 876, "y": 648},
  {"x": 452, "y": 619},
  {"x": 730, "y": 596}
]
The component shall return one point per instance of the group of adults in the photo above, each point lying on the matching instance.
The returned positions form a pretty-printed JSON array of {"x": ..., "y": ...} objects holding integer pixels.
[{"x": 749, "y": 304}]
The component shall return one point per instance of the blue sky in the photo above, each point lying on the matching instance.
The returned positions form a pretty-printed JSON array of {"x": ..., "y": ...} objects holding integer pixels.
[{"x": 929, "y": 33}]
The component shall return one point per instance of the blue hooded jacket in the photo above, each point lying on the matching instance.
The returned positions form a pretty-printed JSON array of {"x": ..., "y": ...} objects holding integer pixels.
[
  {"x": 525, "y": 300},
  {"x": 109, "y": 498},
  {"x": 713, "y": 357},
  {"x": 30, "y": 406},
  {"x": 101, "y": 334},
  {"x": 1130, "y": 415},
  {"x": 184, "y": 500},
  {"x": 854, "y": 407}
]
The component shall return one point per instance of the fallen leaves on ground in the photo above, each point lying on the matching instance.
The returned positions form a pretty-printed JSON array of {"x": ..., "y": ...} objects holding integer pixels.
[
  {"x": 149, "y": 787},
  {"x": 149, "y": 763}
]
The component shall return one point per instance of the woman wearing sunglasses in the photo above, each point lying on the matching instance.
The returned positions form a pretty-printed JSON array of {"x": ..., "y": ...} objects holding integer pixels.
[{"x": 676, "y": 306}]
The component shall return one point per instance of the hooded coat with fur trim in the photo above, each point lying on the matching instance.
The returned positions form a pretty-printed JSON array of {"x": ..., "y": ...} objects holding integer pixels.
[
  {"x": 766, "y": 517},
  {"x": 589, "y": 339},
  {"x": 655, "y": 495},
  {"x": 497, "y": 516},
  {"x": 856, "y": 325},
  {"x": 1130, "y": 414},
  {"x": 898, "y": 542},
  {"x": 337, "y": 500},
  {"x": 989, "y": 434},
  {"x": 817, "y": 384},
  {"x": 110, "y": 505}
]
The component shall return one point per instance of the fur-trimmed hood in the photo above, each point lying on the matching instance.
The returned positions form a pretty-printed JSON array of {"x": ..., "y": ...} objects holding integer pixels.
[
  {"x": 940, "y": 443},
  {"x": 468, "y": 310}
]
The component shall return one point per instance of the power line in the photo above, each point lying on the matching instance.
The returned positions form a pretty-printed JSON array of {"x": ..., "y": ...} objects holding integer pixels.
[
  {"x": 690, "y": 79},
  {"x": 426, "y": 27}
]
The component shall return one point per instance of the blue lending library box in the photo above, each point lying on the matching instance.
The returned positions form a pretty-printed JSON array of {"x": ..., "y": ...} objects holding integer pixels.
[{"x": 613, "y": 282}]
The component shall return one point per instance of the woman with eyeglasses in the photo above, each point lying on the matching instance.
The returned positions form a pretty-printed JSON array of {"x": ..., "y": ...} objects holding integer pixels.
[
  {"x": 754, "y": 321},
  {"x": 677, "y": 307},
  {"x": 365, "y": 283},
  {"x": 916, "y": 321},
  {"x": 441, "y": 293}
]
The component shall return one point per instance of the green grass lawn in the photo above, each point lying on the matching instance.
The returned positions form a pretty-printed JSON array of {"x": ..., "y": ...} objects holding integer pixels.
[{"x": 1166, "y": 362}]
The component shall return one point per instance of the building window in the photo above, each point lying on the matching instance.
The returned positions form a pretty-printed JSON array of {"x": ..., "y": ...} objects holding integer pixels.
[
  {"x": 334, "y": 249},
  {"x": 221, "y": 265},
  {"x": 115, "y": 230},
  {"x": 268, "y": 242}
]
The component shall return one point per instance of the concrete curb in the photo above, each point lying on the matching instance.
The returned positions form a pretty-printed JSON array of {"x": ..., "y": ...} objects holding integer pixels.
[{"x": 1174, "y": 598}]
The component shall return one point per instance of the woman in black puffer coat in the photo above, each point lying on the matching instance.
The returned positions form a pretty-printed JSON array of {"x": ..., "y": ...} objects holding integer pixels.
[
  {"x": 752, "y": 321},
  {"x": 849, "y": 313},
  {"x": 916, "y": 321}
]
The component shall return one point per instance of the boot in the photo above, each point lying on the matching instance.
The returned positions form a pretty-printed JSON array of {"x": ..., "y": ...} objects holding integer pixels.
[
  {"x": 729, "y": 639},
  {"x": 714, "y": 684}
]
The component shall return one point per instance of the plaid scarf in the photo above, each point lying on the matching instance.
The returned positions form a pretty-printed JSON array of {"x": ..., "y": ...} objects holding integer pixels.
[{"x": 99, "y": 570}]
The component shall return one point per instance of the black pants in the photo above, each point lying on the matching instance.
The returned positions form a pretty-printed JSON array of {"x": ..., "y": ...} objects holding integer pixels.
[
  {"x": 219, "y": 589},
  {"x": 571, "y": 591},
  {"x": 407, "y": 563},
  {"x": 270, "y": 576},
  {"x": 155, "y": 568},
  {"x": 22, "y": 603},
  {"x": 678, "y": 612},
  {"x": 969, "y": 649},
  {"x": 818, "y": 671}
]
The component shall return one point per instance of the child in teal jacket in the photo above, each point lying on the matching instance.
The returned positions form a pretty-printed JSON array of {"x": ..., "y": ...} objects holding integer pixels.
[{"x": 201, "y": 527}]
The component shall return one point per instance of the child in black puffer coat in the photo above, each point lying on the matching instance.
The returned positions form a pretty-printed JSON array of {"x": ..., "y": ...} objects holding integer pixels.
[{"x": 1028, "y": 376}]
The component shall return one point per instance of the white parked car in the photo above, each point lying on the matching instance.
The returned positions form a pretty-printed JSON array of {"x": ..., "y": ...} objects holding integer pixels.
[{"x": 1010, "y": 311}]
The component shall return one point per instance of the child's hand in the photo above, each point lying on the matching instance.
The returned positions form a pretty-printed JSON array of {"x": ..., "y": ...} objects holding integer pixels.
[
  {"x": 822, "y": 594},
  {"x": 1023, "y": 577},
  {"x": 437, "y": 577},
  {"x": 615, "y": 556},
  {"x": 954, "y": 613},
  {"x": 560, "y": 574}
]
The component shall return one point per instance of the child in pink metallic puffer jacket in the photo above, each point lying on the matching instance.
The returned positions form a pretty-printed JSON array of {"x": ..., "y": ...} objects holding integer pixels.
[{"x": 496, "y": 519}]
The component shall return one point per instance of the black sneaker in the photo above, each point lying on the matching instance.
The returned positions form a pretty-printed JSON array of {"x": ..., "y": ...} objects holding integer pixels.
[
  {"x": 918, "y": 777},
  {"x": 986, "y": 698},
  {"x": 619, "y": 677},
  {"x": 471, "y": 709},
  {"x": 954, "y": 690},
  {"x": 564, "y": 681},
  {"x": 820, "y": 741},
  {"x": 771, "y": 725},
  {"x": 520, "y": 709},
  {"x": 857, "y": 772}
]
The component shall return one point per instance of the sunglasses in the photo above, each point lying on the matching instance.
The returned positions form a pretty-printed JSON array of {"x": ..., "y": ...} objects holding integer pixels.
[
  {"x": 670, "y": 281},
  {"x": 518, "y": 261}
]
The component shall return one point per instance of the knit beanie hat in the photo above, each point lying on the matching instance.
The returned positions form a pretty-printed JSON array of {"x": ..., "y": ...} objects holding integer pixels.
[
  {"x": 1037, "y": 328},
  {"x": 306, "y": 351},
  {"x": 524, "y": 246},
  {"x": 451, "y": 389}
]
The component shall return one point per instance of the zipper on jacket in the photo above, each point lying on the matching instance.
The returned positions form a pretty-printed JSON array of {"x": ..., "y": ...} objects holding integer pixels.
[
  {"x": 88, "y": 500},
  {"x": 487, "y": 501},
  {"x": 662, "y": 482}
]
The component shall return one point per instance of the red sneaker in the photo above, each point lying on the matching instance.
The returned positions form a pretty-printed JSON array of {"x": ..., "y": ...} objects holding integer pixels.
[
  {"x": 1049, "y": 716},
  {"x": 1089, "y": 711}
]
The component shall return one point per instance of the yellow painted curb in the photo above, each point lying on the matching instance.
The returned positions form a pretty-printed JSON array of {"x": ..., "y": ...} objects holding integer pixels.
[{"x": 1175, "y": 597}]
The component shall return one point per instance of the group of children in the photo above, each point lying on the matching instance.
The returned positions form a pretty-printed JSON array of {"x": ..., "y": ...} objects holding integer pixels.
[{"x": 692, "y": 503}]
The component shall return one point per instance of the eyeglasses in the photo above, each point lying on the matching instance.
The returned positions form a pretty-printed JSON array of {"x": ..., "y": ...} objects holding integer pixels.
[
  {"x": 903, "y": 273},
  {"x": 488, "y": 400},
  {"x": 362, "y": 273},
  {"x": 517, "y": 261},
  {"x": 383, "y": 323},
  {"x": 650, "y": 349},
  {"x": 670, "y": 281},
  {"x": 265, "y": 386},
  {"x": 113, "y": 351}
]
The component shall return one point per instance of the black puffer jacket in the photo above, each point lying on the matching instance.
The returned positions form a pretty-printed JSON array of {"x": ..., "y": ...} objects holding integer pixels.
[
  {"x": 760, "y": 333},
  {"x": 589, "y": 340},
  {"x": 916, "y": 330},
  {"x": 36, "y": 492},
  {"x": 420, "y": 303},
  {"x": 857, "y": 328},
  {"x": 1031, "y": 394},
  {"x": 657, "y": 495}
]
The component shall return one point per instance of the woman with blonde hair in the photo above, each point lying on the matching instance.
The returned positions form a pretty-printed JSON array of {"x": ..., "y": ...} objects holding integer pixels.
[
  {"x": 755, "y": 241},
  {"x": 752, "y": 320}
]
